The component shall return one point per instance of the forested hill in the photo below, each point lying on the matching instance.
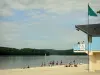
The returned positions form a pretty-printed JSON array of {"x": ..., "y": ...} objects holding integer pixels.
[
  {"x": 64, "y": 52},
  {"x": 24, "y": 51},
  {"x": 30, "y": 51}
]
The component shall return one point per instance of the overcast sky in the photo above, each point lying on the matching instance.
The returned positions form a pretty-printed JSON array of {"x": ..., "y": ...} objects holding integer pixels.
[{"x": 44, "y": 23}]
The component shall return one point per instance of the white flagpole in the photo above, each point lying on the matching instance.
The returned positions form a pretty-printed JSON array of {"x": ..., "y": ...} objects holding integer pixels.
[
  {"x": 88, "y": 39},
  {"x": 45, "y": 58}
]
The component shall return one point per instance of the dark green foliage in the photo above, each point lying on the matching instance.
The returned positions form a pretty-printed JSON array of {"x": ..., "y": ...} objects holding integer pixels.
[
  {"x": 64, "y": 52},
  {"x": 29, "y": 51},
  {"x": 24, "y": 51}
]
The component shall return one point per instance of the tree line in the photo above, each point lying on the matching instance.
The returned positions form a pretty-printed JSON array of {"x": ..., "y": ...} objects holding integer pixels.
[
  {"x": 24, "y": 51},
  {"x": 64, "y": 52},
  {"x": 30, "y": 51}
]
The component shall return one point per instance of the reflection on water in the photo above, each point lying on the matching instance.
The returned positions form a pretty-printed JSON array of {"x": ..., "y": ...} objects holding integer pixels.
[{"x": 8, "y": 62}]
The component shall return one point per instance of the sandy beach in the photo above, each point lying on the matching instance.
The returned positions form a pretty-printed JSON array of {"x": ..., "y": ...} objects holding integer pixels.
[{"x": 55, "y": 70}]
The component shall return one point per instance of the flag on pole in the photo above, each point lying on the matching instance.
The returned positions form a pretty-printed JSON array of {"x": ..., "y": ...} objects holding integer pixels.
[{"x": 91, "y": 12}]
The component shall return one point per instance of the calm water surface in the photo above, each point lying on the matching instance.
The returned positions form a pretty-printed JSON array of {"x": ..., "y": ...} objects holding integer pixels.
[{"x": 10, "y": 62}]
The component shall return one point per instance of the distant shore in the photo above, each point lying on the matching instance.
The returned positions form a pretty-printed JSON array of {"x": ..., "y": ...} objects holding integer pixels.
[{"x": 36, "y": 52}]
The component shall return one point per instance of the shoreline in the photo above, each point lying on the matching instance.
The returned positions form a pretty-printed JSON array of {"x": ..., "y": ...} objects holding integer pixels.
[
  {"x": 55, "y": 66},
  {"x": 40, "y": 66},
  {"x": 54, "y": 70}
]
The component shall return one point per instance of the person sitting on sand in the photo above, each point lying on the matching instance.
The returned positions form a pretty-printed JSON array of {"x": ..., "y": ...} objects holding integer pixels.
[
  {"x": 70, "y": 64},
  {"x": 28, "y": 66},
  {"x": 57, "y": 63},
  {"x": 52, "y": 63},
  {"x": 23, "y": 67},
  {"x": 75, "y": 65},
  {"x": 66, "y": 65}
]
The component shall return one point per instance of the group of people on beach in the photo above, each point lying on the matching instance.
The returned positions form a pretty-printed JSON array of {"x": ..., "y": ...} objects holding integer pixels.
[
  {"x": 52, "y": 63},
  {"x": 26, "y": 67},
  {"x": 71, "y": 64}
]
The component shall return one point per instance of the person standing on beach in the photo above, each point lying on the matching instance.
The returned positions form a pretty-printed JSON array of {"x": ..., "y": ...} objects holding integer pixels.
[
  {"x": 74, "y": 62},
  {"x": 61, "y": 62},
  {"x": 50, "y": 63},
  {"x": 53, "y": 62},
  {"x": 42, "y": 64}
]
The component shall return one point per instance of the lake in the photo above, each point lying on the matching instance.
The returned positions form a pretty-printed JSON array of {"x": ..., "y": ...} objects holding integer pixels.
[{"x": 11, "y": 62}]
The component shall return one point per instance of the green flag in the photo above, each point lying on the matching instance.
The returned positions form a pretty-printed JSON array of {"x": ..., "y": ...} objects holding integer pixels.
[{"x": 91, "y": 12}]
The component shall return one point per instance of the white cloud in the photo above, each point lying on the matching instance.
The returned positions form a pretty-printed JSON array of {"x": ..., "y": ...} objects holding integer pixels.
[
  {"x": 5, "y": 10},
  {"x": 9, "y": 31},
  {"x": 47, "y": 33},
  {"x": 37, "y": 36},
  {"x": 8, "y": 27},
  {"x": 93, "y": 19},
  {"x": 58, "y": 6}
]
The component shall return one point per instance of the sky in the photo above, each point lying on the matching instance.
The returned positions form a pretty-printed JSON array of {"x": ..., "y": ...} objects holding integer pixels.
[{"x": 46, "y": 24}]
